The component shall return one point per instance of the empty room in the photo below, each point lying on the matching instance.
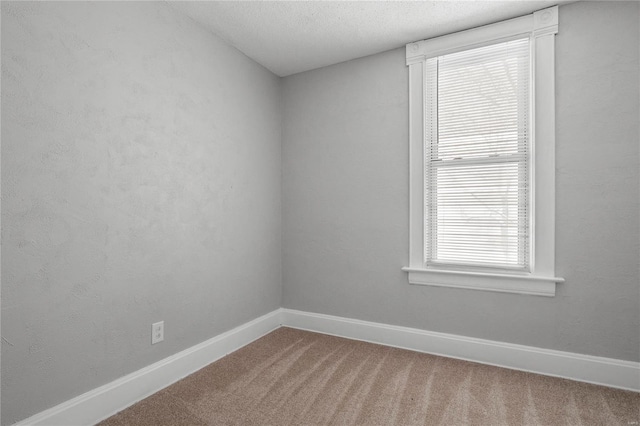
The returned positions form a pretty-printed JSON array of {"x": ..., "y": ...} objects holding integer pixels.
[{"x": 320, "y": 213}]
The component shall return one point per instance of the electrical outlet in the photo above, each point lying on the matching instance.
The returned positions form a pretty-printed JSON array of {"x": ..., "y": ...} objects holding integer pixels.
[{"x": 157, "y": 332}]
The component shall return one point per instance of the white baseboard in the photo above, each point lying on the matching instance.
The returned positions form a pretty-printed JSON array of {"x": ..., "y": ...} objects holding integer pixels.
[
  {"x": 584, "y": 368},
  {"x": 100, "y": 403}
]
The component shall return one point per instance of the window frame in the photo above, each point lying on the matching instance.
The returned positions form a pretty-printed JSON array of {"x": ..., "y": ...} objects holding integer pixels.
[{"x": 540, "y": 27}]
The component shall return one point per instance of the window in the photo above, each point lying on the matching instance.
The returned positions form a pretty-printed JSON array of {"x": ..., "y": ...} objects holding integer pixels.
[
  {"x": 482, "y": 144},
  {"x": 477, "y": 157}
]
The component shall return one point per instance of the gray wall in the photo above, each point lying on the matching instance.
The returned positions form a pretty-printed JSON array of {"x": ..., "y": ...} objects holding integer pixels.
[
  {"x": 140, "y": 182},
  {"x": 345, "y": 198}
]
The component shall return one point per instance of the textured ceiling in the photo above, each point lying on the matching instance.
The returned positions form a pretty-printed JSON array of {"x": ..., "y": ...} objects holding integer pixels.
[{"x": 289, "y": 37}]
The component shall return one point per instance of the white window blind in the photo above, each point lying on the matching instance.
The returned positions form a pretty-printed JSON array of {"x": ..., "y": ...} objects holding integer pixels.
[{"x": 477, "y": 157}]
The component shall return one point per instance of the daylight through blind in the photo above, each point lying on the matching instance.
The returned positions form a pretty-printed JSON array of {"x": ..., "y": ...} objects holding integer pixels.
[{"x": 477, "y": 157}]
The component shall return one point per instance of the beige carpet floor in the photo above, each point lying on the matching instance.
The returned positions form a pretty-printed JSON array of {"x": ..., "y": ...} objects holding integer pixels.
[{"x": 293, "y": 377}]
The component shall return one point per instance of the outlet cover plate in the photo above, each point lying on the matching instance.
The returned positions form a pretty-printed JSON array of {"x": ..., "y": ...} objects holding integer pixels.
[{"x": 157, "y": 332}]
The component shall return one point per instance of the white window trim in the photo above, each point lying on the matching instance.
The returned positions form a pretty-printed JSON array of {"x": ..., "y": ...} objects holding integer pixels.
[{"x": 541, "y": 26}]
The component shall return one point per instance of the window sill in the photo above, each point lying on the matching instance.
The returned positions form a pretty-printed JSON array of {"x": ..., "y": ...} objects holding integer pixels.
[{"x": 504, "y": 283}]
